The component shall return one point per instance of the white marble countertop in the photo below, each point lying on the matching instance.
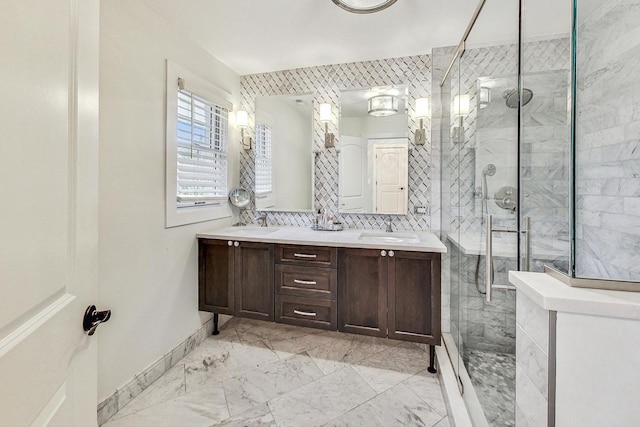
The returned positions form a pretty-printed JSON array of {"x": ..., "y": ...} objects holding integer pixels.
[
  {"x": 423, "y": 241},
  {"x": 553, "y": 295}
]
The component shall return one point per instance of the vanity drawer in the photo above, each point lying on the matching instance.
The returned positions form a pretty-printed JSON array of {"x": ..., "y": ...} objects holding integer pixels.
[
  {"x": 300, "y": 311},
  {"x": 312, "y": 282},
  {"x": 320, "y": 256}
]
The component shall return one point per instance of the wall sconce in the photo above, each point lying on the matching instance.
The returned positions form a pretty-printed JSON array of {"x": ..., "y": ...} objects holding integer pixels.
[
  {"x": 460, "y": 106},
  {"x": 485, "y": 97},
  {"x": 325, "y": 117},
  {"x": 459, "y": 109},
  {"x": 242, "y": 121},
  {"x": 422, "y": 112}
]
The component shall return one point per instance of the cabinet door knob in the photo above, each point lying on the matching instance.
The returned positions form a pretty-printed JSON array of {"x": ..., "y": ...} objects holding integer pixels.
[
  {"x": 230, "y": 243},
  {"x": 236, "y": 244},
  {"x": 383, "y": 253},
  {"x": 391, "y": 253}
]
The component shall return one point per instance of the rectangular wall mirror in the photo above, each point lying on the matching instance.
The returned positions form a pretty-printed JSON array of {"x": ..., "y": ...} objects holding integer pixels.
[
  {"x": 283, "y": 153},
  {"x": 374, "y": 151}
]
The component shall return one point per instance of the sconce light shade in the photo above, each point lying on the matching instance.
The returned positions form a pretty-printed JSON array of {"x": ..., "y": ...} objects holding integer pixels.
[
  {"x": 383, "y": 105},
  {"x": 460, "y": 105},
  {"x": 325, "y": 113},
  {"x": 422, "y": 112},
  {"x": 485, "y": 97},
  {"x": 422, "y": 108},
  {"x": 242, "y": 122},
  {"x": 242, "y": 119},
  {"x": 325, "y": 117}
]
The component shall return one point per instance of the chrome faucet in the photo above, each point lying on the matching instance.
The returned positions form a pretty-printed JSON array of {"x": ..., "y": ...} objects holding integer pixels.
[
  {"x": 387, "y": 221},
  {"x": 262, "y": 219}
]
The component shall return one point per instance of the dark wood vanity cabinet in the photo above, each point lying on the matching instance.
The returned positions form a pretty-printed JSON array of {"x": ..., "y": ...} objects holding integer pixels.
[
  {"x": 390, "y": 293},
  {"x": 253, "y": 281},
  {"x": 306, "y": 283},
  {"x": 413, "y": 302},
  {"x": 236, "y": 278},
  {"x": 382, "y": 293},
  {"x": 216, "y": 272},
  {"x": 362, "y": 295}
]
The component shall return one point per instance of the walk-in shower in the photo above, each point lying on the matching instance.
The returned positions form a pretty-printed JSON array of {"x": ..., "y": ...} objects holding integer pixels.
[{"x": 550, "y": 136}]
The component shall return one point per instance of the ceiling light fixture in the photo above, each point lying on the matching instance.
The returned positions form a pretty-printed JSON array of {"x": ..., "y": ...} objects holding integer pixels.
[
  {"x": 364, "y": 6},
  {"x": 383, "y": 105}
]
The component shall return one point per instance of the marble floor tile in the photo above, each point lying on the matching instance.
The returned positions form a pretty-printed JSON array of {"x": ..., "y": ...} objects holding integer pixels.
[
  {"x": 321, "y": 401},
  {"x": 215, "y": 361},
  {"x": 298, "y": 341},
  {"x": 398, "y": 406},
  {"x": 257, "y": 416},
  {"x": 261, "y": 385},
  {"x": 265, "y": 374},
  {"x": 193, "y": 410},
  {"x": 392, "y": 366},
  {"x": 250, "y": 330},
  {"x": 169, "y": 386},
  {"x": 345, "y": 349},
  {"x": 427, "y": 387}
]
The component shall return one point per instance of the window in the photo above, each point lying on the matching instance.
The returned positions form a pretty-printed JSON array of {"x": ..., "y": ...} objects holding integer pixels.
[
  {"x": 201, "y": 140},
  {"x": 264, "y": 182},
  {"x": 197, "y": 150}
]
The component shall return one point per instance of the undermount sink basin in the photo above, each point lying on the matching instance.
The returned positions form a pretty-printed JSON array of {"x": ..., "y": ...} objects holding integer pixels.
[{"x": 389, "y": 237}]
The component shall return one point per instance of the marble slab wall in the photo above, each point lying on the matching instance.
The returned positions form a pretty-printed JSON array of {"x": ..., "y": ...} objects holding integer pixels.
[
  {"x": 535, "y": 353},
  {"x": 325, "y": 83},
  {"x": 608, "y": 143}
]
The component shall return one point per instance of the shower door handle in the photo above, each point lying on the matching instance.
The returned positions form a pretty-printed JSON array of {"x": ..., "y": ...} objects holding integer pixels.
[
  {"x": 489, "y": 257},
  {"x": 526, "y": 232}
]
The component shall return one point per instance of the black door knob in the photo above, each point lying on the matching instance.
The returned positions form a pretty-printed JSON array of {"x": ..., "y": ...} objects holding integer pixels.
[{"x": 93, "y": 318}]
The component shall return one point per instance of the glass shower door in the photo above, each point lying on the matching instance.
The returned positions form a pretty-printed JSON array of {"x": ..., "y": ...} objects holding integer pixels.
[{"x": 482, "y": 169}]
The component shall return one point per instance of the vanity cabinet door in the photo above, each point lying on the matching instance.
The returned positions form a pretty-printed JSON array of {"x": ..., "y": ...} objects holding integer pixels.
[
  {"x": 254, "y": 280},
  {"x": 414, "y": 297},
  {"x": 362, "y": 291},
  {"x": 215, "y": 276}
]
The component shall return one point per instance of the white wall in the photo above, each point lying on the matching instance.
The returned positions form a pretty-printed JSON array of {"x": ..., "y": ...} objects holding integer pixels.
[{"x": 148, "y": 274}]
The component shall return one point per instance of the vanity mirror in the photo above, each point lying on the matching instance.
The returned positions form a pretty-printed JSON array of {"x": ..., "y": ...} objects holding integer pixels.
[
  {"x": 374, "y": 151},
  {"x": 283, "y": 153}
]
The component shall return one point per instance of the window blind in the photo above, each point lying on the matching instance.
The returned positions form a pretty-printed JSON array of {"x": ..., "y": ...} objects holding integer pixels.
[
  {"x": 201, "y": 140},
  {"x": 263, "y": 160}
]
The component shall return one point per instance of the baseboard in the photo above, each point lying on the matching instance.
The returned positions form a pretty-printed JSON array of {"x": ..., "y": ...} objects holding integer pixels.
[{"x": 136, "y": 385}]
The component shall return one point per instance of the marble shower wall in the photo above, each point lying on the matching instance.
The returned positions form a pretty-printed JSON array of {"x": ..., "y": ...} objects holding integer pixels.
[
  {"x": 325, "y": 83},
  {"x": 608, "y": 143},
  {"x": 489, "y": 132}
]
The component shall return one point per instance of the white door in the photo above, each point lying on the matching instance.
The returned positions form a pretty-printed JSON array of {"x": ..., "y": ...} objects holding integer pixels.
[
  {"x": 48, "y": 203},
  {"x": 353, "y": 175},
  {"x": 391, "y": 179}
]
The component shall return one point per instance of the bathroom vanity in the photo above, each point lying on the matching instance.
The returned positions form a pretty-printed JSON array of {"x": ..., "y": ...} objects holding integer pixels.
[{"x": 357, "y": 281}]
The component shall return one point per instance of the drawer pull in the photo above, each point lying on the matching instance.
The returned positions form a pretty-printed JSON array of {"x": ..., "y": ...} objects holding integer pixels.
[
  {"x": 305, "y": 282},
  {"x": 305, "y": 255},
  {"x": 305, "y": 313}
]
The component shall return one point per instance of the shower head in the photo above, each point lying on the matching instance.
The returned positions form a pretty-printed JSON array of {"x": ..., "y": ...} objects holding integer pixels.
[
  {"x": 512, "y": 99},
  {"x": 490, "y": 170}
]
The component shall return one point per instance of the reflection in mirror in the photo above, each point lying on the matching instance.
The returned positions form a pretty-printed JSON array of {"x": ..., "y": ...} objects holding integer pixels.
[
  {"x": 374, "y": 151},
  {"x": 283, "y": 153}
]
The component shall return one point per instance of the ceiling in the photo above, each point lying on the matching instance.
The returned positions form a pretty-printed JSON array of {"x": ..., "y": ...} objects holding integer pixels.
[{"x": 256, "y": 36}]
